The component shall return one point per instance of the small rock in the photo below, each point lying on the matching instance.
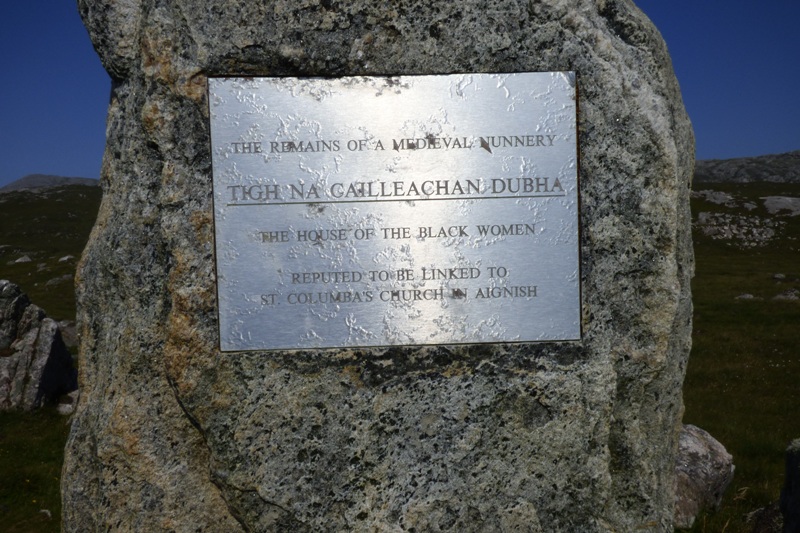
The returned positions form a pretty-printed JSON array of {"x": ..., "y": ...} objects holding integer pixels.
[
  {"x": 745, "y": 297},
  {"x": 60, "y": 279},
  {"x": 68, "y": 402},
  {"x": 704, "y": 469},
  {"x": 23, "y": 259},
  {"x": 66, "y": 258},
  {"x": 779, "y": 277},
  {"x": 766, "y": 520},
  {"x": 791, "y": 294}
]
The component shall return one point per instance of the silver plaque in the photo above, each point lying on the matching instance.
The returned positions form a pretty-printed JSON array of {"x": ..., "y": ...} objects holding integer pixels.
[{"x": 408, "y": 210}]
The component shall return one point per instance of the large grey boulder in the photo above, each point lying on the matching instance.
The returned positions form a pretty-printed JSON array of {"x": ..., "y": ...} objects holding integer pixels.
[
  {"x": 170, "y": 433},
  {"x": 35, "y": 365},
  {"x": 704, "y": 470}
]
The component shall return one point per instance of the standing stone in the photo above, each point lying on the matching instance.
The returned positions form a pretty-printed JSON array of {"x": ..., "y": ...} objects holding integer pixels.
[{"x": 172, "y": 434}]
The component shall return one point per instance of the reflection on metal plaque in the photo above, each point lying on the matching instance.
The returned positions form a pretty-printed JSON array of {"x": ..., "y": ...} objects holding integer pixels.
[{"x": 405, "y": 210}]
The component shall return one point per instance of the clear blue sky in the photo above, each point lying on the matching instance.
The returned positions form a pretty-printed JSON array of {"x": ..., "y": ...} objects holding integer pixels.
[{"x": 737, "y": 62}]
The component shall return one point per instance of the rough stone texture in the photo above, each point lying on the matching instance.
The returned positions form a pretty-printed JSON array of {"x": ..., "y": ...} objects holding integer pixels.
[
  {"x": 790, "y": 494},
  {"x": 13, "y": 303},
  {"x": 69, "y": 332},
  {"x": 171, "y": 434},
  {"x": 35, "y": 365},
  {"x": 704, "y": 470}
]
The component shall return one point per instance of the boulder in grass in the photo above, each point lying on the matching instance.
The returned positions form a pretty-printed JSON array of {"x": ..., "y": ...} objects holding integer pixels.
[
  {"x": 704, "y": 469},
  {"x": 35, "y": 365}
]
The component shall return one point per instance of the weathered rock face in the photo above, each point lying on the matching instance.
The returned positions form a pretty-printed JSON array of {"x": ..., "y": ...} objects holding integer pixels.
[
  {"x": 704, "y": 470},
  {"x": 13, "y": 303},
  {"x": 170, "y": 433},
  {"x": 35, "y": 365}
]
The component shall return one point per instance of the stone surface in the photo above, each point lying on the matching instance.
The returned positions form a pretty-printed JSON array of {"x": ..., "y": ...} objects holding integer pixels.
[
  {"x": 35, "y": 365},
  {"x": 704, "y": 470},
  {"x": 786, "y": 205},
  {"x": 13, "y": 303},
  {"x": 66, "y": 404},
  {"x": 790, "y": 494},
  {"x": 171, "y": 434},
  {"x": 69, "y": 332},
  {"x": 791, "y": 294}
]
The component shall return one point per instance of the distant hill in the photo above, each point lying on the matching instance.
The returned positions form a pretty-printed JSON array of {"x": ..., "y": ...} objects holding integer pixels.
[
  {"x": 778, "y": 168},
  {"x": 43, "y": 181}
]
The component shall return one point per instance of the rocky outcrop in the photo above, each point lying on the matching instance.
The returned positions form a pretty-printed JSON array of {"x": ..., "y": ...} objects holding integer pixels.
[
  {"x": 13, "y": 303},
  {"x": 778, "y": 168},
  {"x": 170, "y": 433},
  {"x": 742, "y": 231},
  {"x": 69, "y": 333},
  {"x": 739, "y": 222},
  {"x": 704, "y": 470},
  {"x": 35, "y": 365}
]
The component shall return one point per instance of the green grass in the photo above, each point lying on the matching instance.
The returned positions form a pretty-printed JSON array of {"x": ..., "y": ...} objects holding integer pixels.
[
  {"x": 743, "y": 380},
  {"x": 31, "y": 454},
  {"x": 46, "y": 227}
]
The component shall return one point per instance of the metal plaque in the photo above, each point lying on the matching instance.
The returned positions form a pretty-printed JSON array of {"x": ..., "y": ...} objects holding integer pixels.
[{"x": 408, "y": 210}]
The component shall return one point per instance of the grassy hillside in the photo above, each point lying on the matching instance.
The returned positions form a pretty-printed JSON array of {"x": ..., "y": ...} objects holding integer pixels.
[
  {"x": 743, "y": 379},
  {"x": 742, "y": 384},
  {"x": 45, "y": 226}
]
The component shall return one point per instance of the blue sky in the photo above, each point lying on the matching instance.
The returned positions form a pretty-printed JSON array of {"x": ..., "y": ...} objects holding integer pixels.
[
  {"x": 736, "y": 60},
  {"x": 738, "y": 64}
]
